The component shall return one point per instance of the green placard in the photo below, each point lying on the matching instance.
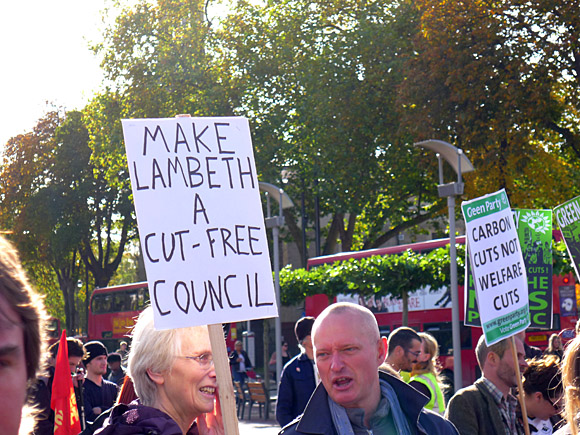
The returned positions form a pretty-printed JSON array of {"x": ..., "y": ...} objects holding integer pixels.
[
  {"x": 568, "y": 217},
  {"x": 534, "y": 229}
]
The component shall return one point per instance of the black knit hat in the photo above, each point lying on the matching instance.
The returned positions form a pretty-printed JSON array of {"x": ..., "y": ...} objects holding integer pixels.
[
  {"x": 94, "y": 349},
  {"x": 303, "y": 328}
]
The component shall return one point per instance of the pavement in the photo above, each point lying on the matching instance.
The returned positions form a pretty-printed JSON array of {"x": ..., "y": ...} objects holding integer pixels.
[
  {"x": 258, "y": 427},
  {"x": 258, "y": 424}
]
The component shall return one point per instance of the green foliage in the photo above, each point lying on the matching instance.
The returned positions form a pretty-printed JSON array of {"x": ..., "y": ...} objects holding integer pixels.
[
  {"x": 319, "y": 81},
  {"x": 499, "y": 80},
  {"x": 63, "y": 214},
  {"x": 381, "y": 275},
  {"x": 562, "y": 262},
  {"x": 386, "y": 275}
]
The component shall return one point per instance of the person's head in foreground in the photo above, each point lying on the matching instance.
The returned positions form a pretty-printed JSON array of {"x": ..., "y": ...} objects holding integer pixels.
[
  {"x": 571, "y": 381},
  {"x": 22, "y": 320},
  {"x": 349, "y": 351},
  {"x": 173, "y": 371},
  {"x": 497, "y": 363},
  {"x": 543, "y": 387}
]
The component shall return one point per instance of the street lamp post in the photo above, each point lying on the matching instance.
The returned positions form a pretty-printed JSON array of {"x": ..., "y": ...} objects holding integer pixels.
[
  {"x": 275, "y": 223},
  {"x": 460, "y": 163}
]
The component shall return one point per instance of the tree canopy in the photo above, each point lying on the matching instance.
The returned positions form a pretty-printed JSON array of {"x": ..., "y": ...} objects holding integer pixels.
[{"x": 336, "y": 92}]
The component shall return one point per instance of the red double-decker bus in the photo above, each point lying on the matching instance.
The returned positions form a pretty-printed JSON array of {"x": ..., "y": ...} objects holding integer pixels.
[
  {"x": 114, "y": 310},
  {"x": 430, "y": 311}
]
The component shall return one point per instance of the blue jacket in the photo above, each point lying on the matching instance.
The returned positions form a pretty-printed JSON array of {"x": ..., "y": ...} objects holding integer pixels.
[
  {"x": 296, "y": 386},
  {"x": 318, "y": 420}
]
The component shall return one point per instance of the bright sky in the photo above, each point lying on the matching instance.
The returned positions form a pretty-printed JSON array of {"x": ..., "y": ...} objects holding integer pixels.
[{"x": 45, "y": 57}]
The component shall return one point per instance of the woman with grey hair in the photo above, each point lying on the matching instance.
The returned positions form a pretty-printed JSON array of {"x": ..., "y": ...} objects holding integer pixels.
[{"x": 174, "y": 378}]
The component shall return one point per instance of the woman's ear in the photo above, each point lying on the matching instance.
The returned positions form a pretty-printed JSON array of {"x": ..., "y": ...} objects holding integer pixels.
[{"x": 157, "y": 378}]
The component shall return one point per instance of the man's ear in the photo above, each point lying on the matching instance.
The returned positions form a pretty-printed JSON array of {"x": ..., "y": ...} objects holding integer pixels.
[
  {"x": 382, "y": 349},
  {"x": 157, "y": 378},
  {"x": 493, "y": 358}
]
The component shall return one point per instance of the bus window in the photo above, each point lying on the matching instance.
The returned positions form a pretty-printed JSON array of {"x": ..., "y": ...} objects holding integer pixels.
[
  {"x": 384, "y": 331},
  {"x": 118, "y": 302},
  {"x": 133, "y": 303},
  {"x": 101, "y": 304},
  {"x": 142, "y": 298},
  {"x": 444, "y": 336}
]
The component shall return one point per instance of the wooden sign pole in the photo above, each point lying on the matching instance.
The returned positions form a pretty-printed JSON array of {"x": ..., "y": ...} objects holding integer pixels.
[
  {"x": 520, "y": 385},
  {"x": 224, "y": 379}
]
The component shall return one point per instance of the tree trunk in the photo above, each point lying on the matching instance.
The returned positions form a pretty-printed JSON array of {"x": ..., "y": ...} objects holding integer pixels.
[
  {"x": 333, "y": 232},
  {"x": 346, "y": 234},
  {"x": 266, "y": 353},
  {"x": 67, "y": 307},
  {"x": 296, "y": 233}
]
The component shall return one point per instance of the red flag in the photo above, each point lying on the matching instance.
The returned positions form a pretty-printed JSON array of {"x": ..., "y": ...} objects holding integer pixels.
[{"x": 64, "y": 402}]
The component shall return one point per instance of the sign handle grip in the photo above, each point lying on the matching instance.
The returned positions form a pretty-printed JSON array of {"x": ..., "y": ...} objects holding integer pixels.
[
  {"x": 520, "y": 385},
  {"x": 224, "y": 379}
]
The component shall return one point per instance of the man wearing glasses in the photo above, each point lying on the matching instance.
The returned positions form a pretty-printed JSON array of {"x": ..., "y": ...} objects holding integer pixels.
[{"x": 404, "y": 347}]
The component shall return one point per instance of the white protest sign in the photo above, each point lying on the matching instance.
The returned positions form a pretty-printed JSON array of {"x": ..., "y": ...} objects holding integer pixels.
[
  {"x": 497, "y": 266},
  {"x": 200, "y": 219}
]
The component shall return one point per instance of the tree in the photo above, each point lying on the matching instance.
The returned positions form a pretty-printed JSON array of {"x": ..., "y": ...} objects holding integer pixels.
[
  {"x": 44, "y": 200},
  {"x": 159, "y": 57},
  {"x": 319, "y": 81},
  {"x": 500, "y": 81},
  {"x": 64, "y": 215}
]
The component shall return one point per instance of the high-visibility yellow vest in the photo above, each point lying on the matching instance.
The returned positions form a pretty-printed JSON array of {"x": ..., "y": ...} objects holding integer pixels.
[{"x": 437, "y": 402}]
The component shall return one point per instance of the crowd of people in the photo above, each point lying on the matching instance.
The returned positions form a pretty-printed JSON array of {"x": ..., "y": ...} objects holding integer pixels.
[{"x": 347, "y": 379}]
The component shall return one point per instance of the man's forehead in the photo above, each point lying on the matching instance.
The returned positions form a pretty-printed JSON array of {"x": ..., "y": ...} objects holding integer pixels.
[
  {"x": 416, "y": 343},
  {"x": 351, "y": 330}
]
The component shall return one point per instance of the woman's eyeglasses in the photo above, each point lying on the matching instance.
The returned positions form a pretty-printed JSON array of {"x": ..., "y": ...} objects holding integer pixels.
[{"x": 205, "y": 360}]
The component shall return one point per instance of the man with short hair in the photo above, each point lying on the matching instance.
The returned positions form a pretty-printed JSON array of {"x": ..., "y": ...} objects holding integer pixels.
[
  {"x": 22, "y": 322},
  {"x": 354, "y": 396},
  {"x": 98, "y": 393},
  {"x": 117, "y": 372},
  {"x": 404, "y": 347},
  {"x": 41, "y": 391},
  {"x": 543, "y": 393},
  {"x": 299, "y": 377},
  {"x": 487, "y": 406}
]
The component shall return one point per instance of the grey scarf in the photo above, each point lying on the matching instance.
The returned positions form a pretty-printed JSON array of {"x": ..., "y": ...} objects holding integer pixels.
[{"x": 342, "y": 422}]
